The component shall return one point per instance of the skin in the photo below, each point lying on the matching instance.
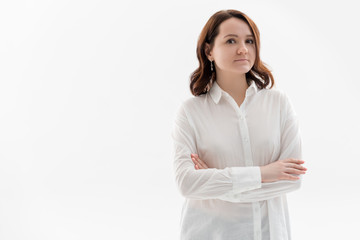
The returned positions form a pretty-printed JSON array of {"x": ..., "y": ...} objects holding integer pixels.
[
  {"x": 234, "y": 42},
  {"x": 278, "y": 170}
]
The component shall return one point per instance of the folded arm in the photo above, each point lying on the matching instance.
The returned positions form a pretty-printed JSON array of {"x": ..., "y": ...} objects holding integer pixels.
[
  {"x": 275, "y": 181},
  {"x": 206, "y": 183}
]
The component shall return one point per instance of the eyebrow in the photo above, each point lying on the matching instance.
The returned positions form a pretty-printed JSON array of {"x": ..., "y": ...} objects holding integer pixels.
[{"x": 234, "y": 35}]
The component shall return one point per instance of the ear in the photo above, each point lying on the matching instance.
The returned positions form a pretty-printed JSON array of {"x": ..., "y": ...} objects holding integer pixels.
[{"x": 208, "y": 52}]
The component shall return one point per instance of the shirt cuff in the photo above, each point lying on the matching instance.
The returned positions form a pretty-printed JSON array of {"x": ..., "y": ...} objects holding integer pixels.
[{"x": 245, "y": 178}]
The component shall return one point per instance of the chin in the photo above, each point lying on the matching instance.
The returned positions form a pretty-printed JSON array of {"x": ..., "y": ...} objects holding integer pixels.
[{"x": 242, "y": 71}]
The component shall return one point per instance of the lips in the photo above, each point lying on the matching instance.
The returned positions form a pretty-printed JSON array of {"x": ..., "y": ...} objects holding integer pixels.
[{"x": 242, "y": 59}]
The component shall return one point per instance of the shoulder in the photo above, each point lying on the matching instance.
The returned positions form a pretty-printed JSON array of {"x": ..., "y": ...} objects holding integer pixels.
[
  {"x": 276, "y": 98},
  {"x": 190, "y": 105},
  {"x": 273, "y": 95},
  {"x": 272, "y": 92},
  {"x": 283, "y": 100},
  {"x": 195, "y": 102}
]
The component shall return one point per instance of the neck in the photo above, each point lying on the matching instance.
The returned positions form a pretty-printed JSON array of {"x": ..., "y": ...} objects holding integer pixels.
[{"x": 233, "y": 84}]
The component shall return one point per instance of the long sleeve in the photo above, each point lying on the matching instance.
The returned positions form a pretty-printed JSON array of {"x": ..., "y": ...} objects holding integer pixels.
[
  {"x": 210, "y": 183},
  {"x": 234, "y": 141},
  {"x": 291, "y": 147}
]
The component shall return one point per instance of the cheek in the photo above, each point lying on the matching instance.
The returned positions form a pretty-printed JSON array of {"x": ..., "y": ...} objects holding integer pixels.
[
  {"x": 222, "y": 54},
  {"x": 219, "y": 56},
  {"x": 252, "y": 51}
]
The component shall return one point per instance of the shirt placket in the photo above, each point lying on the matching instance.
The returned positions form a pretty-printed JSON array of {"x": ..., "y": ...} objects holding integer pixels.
[{"x": 244, "y": 133}]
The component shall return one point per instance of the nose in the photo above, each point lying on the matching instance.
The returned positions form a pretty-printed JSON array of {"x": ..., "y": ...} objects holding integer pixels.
[{"x": 242, "y": 49}]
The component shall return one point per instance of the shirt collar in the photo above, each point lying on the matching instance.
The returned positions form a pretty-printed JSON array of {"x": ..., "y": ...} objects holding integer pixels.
[{"x": 216, "y": 92}]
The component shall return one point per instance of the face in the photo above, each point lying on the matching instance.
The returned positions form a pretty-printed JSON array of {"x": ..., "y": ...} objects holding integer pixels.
[{"x": 234, "y": 47}]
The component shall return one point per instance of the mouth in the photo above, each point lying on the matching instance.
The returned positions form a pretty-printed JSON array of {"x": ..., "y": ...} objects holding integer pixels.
[{"x": 241, "y": 60}]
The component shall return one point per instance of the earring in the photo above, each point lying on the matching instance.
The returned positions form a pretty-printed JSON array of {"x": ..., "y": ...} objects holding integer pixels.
[{"x": 211, "y": 65}]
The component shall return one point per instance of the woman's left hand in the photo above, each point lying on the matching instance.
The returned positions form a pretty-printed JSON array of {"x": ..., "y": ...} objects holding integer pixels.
[{"x": 199, "y": 164}]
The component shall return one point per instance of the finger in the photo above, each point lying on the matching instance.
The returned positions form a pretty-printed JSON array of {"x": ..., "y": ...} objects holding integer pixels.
[
  {"x": 201, "y": 162},
  {"x": 197, "y": 164},
  {"x": 292, "y": 160},
  {"x": 294, "y": 171},
  {"x": 290, "y": 177},
  {"x": 296, "y": 166},
  {"x": 196, "y": 158}
]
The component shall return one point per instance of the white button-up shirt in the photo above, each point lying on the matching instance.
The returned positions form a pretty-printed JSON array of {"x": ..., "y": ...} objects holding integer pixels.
[{"x": 228, "y": 201}]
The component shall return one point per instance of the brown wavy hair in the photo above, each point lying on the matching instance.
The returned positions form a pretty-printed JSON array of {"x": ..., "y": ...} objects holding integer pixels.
[{"x": 202, "y": 78}]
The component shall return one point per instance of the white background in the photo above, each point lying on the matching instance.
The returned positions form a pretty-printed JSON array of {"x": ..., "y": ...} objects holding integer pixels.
[{"x": 88, "y": 94}]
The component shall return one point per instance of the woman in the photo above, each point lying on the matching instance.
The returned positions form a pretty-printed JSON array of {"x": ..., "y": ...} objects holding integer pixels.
[{"x": 237, "y": 143}]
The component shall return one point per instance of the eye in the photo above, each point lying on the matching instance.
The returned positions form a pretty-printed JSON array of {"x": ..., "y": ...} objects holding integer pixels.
[
  {"x": 250, "y": 41},
  {"x": 231, "y": 41}
]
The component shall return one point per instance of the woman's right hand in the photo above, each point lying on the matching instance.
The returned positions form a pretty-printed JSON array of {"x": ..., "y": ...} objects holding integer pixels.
[{"x": 282, "y": 170}]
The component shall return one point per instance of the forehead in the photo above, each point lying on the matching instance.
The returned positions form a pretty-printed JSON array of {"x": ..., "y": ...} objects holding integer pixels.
[{"x": 234, "y": 26}]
